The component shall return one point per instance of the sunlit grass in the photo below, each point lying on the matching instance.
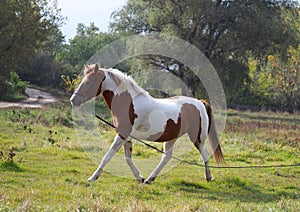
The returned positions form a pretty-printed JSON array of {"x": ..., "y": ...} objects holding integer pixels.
[{"x": 51, "y": 167}]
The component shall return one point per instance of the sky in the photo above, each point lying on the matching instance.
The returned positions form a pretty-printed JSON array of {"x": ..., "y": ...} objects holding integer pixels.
[{"x": 87, "y": 11}]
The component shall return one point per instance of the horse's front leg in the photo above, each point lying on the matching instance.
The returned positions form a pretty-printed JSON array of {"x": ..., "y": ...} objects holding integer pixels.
[
  {"x": 116, "y": 145},
  {"x": 168, "y": 151},
  {"x": 128, "y": 158}
]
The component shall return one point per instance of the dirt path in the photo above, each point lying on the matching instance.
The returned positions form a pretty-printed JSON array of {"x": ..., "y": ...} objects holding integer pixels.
[{"x": 36, "y": 99}]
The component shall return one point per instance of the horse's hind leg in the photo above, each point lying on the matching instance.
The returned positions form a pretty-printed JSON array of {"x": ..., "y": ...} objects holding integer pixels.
[
  {"x": 128, "y": 154},
  {"x": 116, "y": 145},
  {"x": 168, "y": 149},
  {"x": 205, "y": 156}
]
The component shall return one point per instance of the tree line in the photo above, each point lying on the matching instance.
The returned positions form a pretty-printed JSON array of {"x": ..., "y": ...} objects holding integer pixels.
[{"x": 254, "y": 45}]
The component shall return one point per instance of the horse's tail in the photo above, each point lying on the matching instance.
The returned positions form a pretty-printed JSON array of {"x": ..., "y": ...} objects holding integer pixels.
[{"x": 213, "y": 138}]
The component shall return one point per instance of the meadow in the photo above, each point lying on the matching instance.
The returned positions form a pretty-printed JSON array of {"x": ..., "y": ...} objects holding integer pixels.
[{"x": 44, "y": 167}]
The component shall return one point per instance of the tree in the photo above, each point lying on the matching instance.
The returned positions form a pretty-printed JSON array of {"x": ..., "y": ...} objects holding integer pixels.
[
  {"x": 225, "y": 31},
  {"x": 276, "y": 82},
  {"x": 84, "y": 45},
  {"x": 25, "y": 26},
  {"x": 43, "y": 70}
]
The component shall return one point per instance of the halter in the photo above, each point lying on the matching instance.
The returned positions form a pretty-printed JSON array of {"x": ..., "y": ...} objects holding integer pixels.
[{"x": 92, "y": 83}]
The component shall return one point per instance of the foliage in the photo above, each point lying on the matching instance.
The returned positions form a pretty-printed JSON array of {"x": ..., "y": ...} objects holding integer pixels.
[
  {"x": 238, "y": 37},
  {"x": 227, "y": 32},
  {"x": 25, "y": 25},
  {"x": 43, "y": 70},
  {"x": 286, "y": 77},
  {"x": 70, "y": 83},
  {"x": 52, "y": 158},
  {"x": 84, "y": 45},
  {"x": 16, "y": 84},
  {"x": 277, "y": 81}
]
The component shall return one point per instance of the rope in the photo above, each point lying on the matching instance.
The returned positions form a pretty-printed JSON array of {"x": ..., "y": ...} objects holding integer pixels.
[{"x": 197, "y": 164}]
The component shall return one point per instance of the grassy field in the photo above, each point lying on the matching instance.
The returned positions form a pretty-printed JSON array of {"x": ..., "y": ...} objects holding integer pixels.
[{"x": 50, "y": 169}]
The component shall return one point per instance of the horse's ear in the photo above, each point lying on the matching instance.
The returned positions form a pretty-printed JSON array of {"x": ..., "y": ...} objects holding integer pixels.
[
  {"x": 96, "y": 68},
  {"x": 86, "y": 69}
]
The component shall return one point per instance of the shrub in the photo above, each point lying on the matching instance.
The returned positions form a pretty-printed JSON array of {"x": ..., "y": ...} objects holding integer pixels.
[{"x": 17, "y": 86}]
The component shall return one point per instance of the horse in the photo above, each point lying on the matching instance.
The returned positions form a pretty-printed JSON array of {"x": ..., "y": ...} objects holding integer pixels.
[{"x": 136, "y": 114}]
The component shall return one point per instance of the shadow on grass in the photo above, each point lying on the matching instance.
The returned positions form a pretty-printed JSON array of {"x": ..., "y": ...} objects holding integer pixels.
[
  {"x": 189, "y": 186},
  {"x": 233, "y": 190},
  {"x": 10, "y": 166}
]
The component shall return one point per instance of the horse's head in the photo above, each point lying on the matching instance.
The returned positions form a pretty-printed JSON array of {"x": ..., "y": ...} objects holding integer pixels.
[{"x": 90, "y": 85}]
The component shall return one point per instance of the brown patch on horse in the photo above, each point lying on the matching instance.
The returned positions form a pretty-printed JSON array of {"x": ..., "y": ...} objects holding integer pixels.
[
  {"x": 172, "y": 131},
  {"x": 122, "y": 109},
  {"x": 102, "y": 77},
  {"x": 191, "y": 123},
  {"x": 132, "y": 115},
  {"x": 108, "y": 96}
]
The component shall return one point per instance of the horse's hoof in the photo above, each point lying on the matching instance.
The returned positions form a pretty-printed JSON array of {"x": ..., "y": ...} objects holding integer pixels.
[
  {"x": 149, "y": 180},
  {"x": 93, "y": 178},
  {"x": 142, "y": 180},
  {"x": 209, "y": 179}
]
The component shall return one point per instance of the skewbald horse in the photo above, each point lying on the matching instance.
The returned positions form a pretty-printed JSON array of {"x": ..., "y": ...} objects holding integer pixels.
[{"x": 142, "y": 116}]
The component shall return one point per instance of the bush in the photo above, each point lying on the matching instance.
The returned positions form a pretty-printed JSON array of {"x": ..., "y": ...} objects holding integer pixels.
[
  {"x": 43, "y": 71},
  {"x": 17, "y": 86},
  {"x": 70, "y": 83}
]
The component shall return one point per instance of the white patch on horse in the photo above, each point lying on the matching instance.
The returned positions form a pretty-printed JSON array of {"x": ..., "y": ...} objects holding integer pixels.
[
  {"x": 155, "y": 123},
  {"x": 153, "y": 115},
  {"x": 121, "y": 82}
]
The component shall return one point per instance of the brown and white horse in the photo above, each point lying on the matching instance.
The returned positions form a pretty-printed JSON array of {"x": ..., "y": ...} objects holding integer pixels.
[{"x": 139, "y": 115}]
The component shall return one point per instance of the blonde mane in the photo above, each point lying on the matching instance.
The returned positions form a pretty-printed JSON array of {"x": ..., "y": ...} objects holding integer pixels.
[{"x": 125, "y": 81}]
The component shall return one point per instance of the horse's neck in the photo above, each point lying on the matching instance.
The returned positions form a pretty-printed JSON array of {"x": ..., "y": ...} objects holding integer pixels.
[
  {"x": 116, "y": 95},
  {"x": 121, "y": 99}
]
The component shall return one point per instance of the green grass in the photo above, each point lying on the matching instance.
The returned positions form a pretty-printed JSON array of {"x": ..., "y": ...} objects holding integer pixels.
[{"x": 50, "y": 169}]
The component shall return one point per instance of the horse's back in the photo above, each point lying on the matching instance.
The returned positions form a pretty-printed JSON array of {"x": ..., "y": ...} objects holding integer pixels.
[{"x": 185, "y": 114}]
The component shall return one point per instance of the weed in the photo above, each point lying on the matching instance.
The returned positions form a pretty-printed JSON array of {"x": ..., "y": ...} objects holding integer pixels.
[
  {"x": 2, "y": 155},
  {"x": 11, "y": 154}
]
